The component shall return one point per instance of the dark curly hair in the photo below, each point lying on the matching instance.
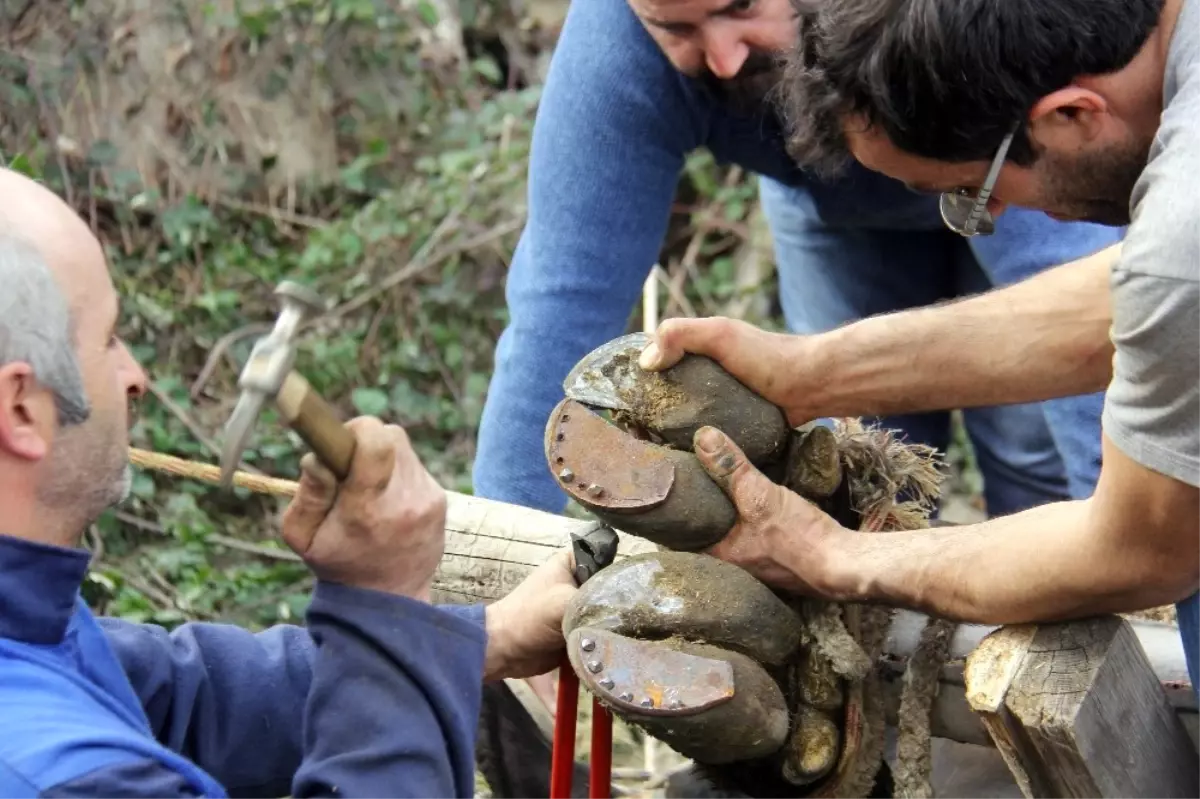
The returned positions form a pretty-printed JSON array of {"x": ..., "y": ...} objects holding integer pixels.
[{"x": 944, "y": 79}]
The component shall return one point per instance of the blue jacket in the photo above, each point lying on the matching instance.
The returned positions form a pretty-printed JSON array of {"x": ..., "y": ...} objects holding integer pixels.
[
  {"x": 378, "y": 697},
  {"x": 615, "y": 123}
]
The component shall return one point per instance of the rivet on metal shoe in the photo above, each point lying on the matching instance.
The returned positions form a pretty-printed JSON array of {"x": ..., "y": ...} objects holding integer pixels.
[
  {"x": 566, "y": 475},
  {"x": 647, "y": 702},
  {"x": 606, "y": 684},
  {"x": 595, "y": 490},
  {"x": 595, "y": 666},
  {"x": 587, "y": 644},
  {"x": 625, "y": 696}
]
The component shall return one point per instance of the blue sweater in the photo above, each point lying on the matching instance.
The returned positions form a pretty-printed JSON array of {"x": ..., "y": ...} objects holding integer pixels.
[
  {"x": 378, "y": 697},
  {"x": 615, "y": 124}
]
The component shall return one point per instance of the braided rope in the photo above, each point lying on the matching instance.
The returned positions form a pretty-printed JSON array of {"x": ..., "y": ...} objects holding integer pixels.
[{"x": 207, "y": 473}]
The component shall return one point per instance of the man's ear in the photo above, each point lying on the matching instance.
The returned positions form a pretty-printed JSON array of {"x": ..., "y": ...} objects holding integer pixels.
[
  {"x": 28, "y": 414},
  {"x": 1068, "y": 119}
]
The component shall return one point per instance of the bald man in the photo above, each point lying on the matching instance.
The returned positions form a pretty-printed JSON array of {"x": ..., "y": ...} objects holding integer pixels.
[{"x": 377, "y": 696}]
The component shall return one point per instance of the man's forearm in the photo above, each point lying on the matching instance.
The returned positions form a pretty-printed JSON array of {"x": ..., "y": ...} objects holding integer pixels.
[
  {"x": 1023, "y": 567},
  {"x": 1043, "y": 338},
  {"x": 1057, "y": 561}
]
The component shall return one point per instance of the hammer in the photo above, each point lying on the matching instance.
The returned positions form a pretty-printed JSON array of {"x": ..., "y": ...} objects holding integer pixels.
[{"x": 268, "y": 375}]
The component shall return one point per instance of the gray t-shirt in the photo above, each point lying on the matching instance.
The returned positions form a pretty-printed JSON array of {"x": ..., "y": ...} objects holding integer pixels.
[{"x": 1152, "y": 410}]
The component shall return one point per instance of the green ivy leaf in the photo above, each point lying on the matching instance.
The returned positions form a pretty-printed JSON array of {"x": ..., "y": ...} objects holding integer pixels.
[
  {"x": 427, "y": 12},
  {"x": 369, "y": 401}
]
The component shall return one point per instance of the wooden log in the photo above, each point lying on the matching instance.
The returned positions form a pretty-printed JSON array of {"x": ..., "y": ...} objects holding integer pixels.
[
  {"x": 1076, "y": 709},
  {"x": 491, "y": 546}
]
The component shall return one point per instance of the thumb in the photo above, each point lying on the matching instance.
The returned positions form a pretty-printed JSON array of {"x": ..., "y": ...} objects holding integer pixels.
[
  {"x": 751, "y": 492},
  {"x": 554, "y": 606},
  {"x": 314, "y": 498}
]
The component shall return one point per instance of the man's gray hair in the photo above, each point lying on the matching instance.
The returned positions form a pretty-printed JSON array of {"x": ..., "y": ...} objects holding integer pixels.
[{"x": 36, "y": 326}]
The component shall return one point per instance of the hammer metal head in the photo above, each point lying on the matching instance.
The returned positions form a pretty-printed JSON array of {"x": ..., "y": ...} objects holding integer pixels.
[{"x": 269, "y": 363}]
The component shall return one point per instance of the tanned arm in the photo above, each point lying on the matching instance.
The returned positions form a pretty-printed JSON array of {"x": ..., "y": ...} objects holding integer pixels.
[
  {"x": 1129, "y": 547},
  {"x": 1043, "y": 338}
]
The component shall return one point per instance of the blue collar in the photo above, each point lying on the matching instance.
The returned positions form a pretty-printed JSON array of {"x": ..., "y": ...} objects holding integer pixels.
[{"x": 39, "y": 584}]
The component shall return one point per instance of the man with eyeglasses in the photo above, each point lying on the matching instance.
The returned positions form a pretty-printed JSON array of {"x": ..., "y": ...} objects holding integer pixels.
[{"x": 1096, "y": 121}]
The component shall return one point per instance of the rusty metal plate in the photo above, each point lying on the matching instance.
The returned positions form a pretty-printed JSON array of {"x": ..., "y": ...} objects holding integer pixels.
[
  {"x": 646, "y": 677},
  {"x": 601, "y": 465}
]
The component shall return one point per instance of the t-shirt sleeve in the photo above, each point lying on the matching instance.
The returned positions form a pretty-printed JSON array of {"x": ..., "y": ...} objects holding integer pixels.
[{"x": 1152, "y": 410}]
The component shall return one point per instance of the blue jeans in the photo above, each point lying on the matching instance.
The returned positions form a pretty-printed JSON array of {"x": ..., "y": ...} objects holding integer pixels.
[{"x": 829, "y": 277}]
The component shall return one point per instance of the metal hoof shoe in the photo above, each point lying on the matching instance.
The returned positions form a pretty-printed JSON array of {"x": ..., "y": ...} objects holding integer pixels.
[
  {"x": 707, "y": 703},
  {"x": 660, "y": 494},
  {"x": 686, "y": 595}
]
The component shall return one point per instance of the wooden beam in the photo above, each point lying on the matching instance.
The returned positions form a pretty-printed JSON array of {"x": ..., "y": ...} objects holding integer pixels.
[{"x": 1076, "y": 709}]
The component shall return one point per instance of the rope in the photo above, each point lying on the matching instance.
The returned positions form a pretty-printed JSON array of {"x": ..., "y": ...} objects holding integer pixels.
[
  {"x": 208, "y": 473},
  {"x": 882, "y": 469}
]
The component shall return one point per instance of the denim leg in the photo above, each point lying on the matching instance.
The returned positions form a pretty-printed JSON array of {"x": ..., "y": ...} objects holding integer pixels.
[
  {"x": 1187, "y": 613},
  {"x": 1007, "y": 258},
  {"x": 829, "y": 277},
  {"x": 1016, "y": 451}
]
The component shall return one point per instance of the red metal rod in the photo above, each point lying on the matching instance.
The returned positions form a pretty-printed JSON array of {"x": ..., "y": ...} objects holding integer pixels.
[
  {"x": 562, "y": 753},
  {"x": 600, "y": 776}
]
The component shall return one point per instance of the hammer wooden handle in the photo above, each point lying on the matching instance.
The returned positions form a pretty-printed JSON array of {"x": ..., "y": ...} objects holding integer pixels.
[{"x": 317, "y": 422}]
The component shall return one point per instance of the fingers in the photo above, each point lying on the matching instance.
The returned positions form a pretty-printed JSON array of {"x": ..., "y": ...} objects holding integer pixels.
[
  {"x": 423, "y": 496},
  {"x": 562, "y": 564},
  {"x": 318, "y": 491},
  {"x": 315, "y": 495},
  {"x": 748, "y": 488},
  {"x": 674, "y": 337},
  {"x": 374, "y": 459},
  {"x": 764, "y": 362}
]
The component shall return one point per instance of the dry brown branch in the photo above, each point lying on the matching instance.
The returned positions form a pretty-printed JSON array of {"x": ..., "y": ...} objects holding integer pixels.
[
  {"x": 185, "y": 418},
  {"x": 218, "y": 350},
  {"x": 419, "y": 263},
  {"x": 254, "y": 549}
]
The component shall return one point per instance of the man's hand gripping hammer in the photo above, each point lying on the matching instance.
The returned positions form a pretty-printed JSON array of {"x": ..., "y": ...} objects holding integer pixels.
[{"x": 268, "y": 376}]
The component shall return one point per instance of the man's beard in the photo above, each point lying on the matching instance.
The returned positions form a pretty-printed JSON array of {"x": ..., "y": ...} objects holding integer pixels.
[
  {"x": 86, "y": 473},
  {"x": 748, "y": 91},
  {"x": 1095, "y": 187}
]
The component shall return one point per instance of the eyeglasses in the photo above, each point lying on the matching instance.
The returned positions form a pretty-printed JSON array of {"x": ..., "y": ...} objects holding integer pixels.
[{"x": 967, "y": 215}]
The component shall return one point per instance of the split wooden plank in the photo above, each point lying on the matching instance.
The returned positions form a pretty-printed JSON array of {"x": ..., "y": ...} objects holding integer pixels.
[{"x": 1076, "y": 709}]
